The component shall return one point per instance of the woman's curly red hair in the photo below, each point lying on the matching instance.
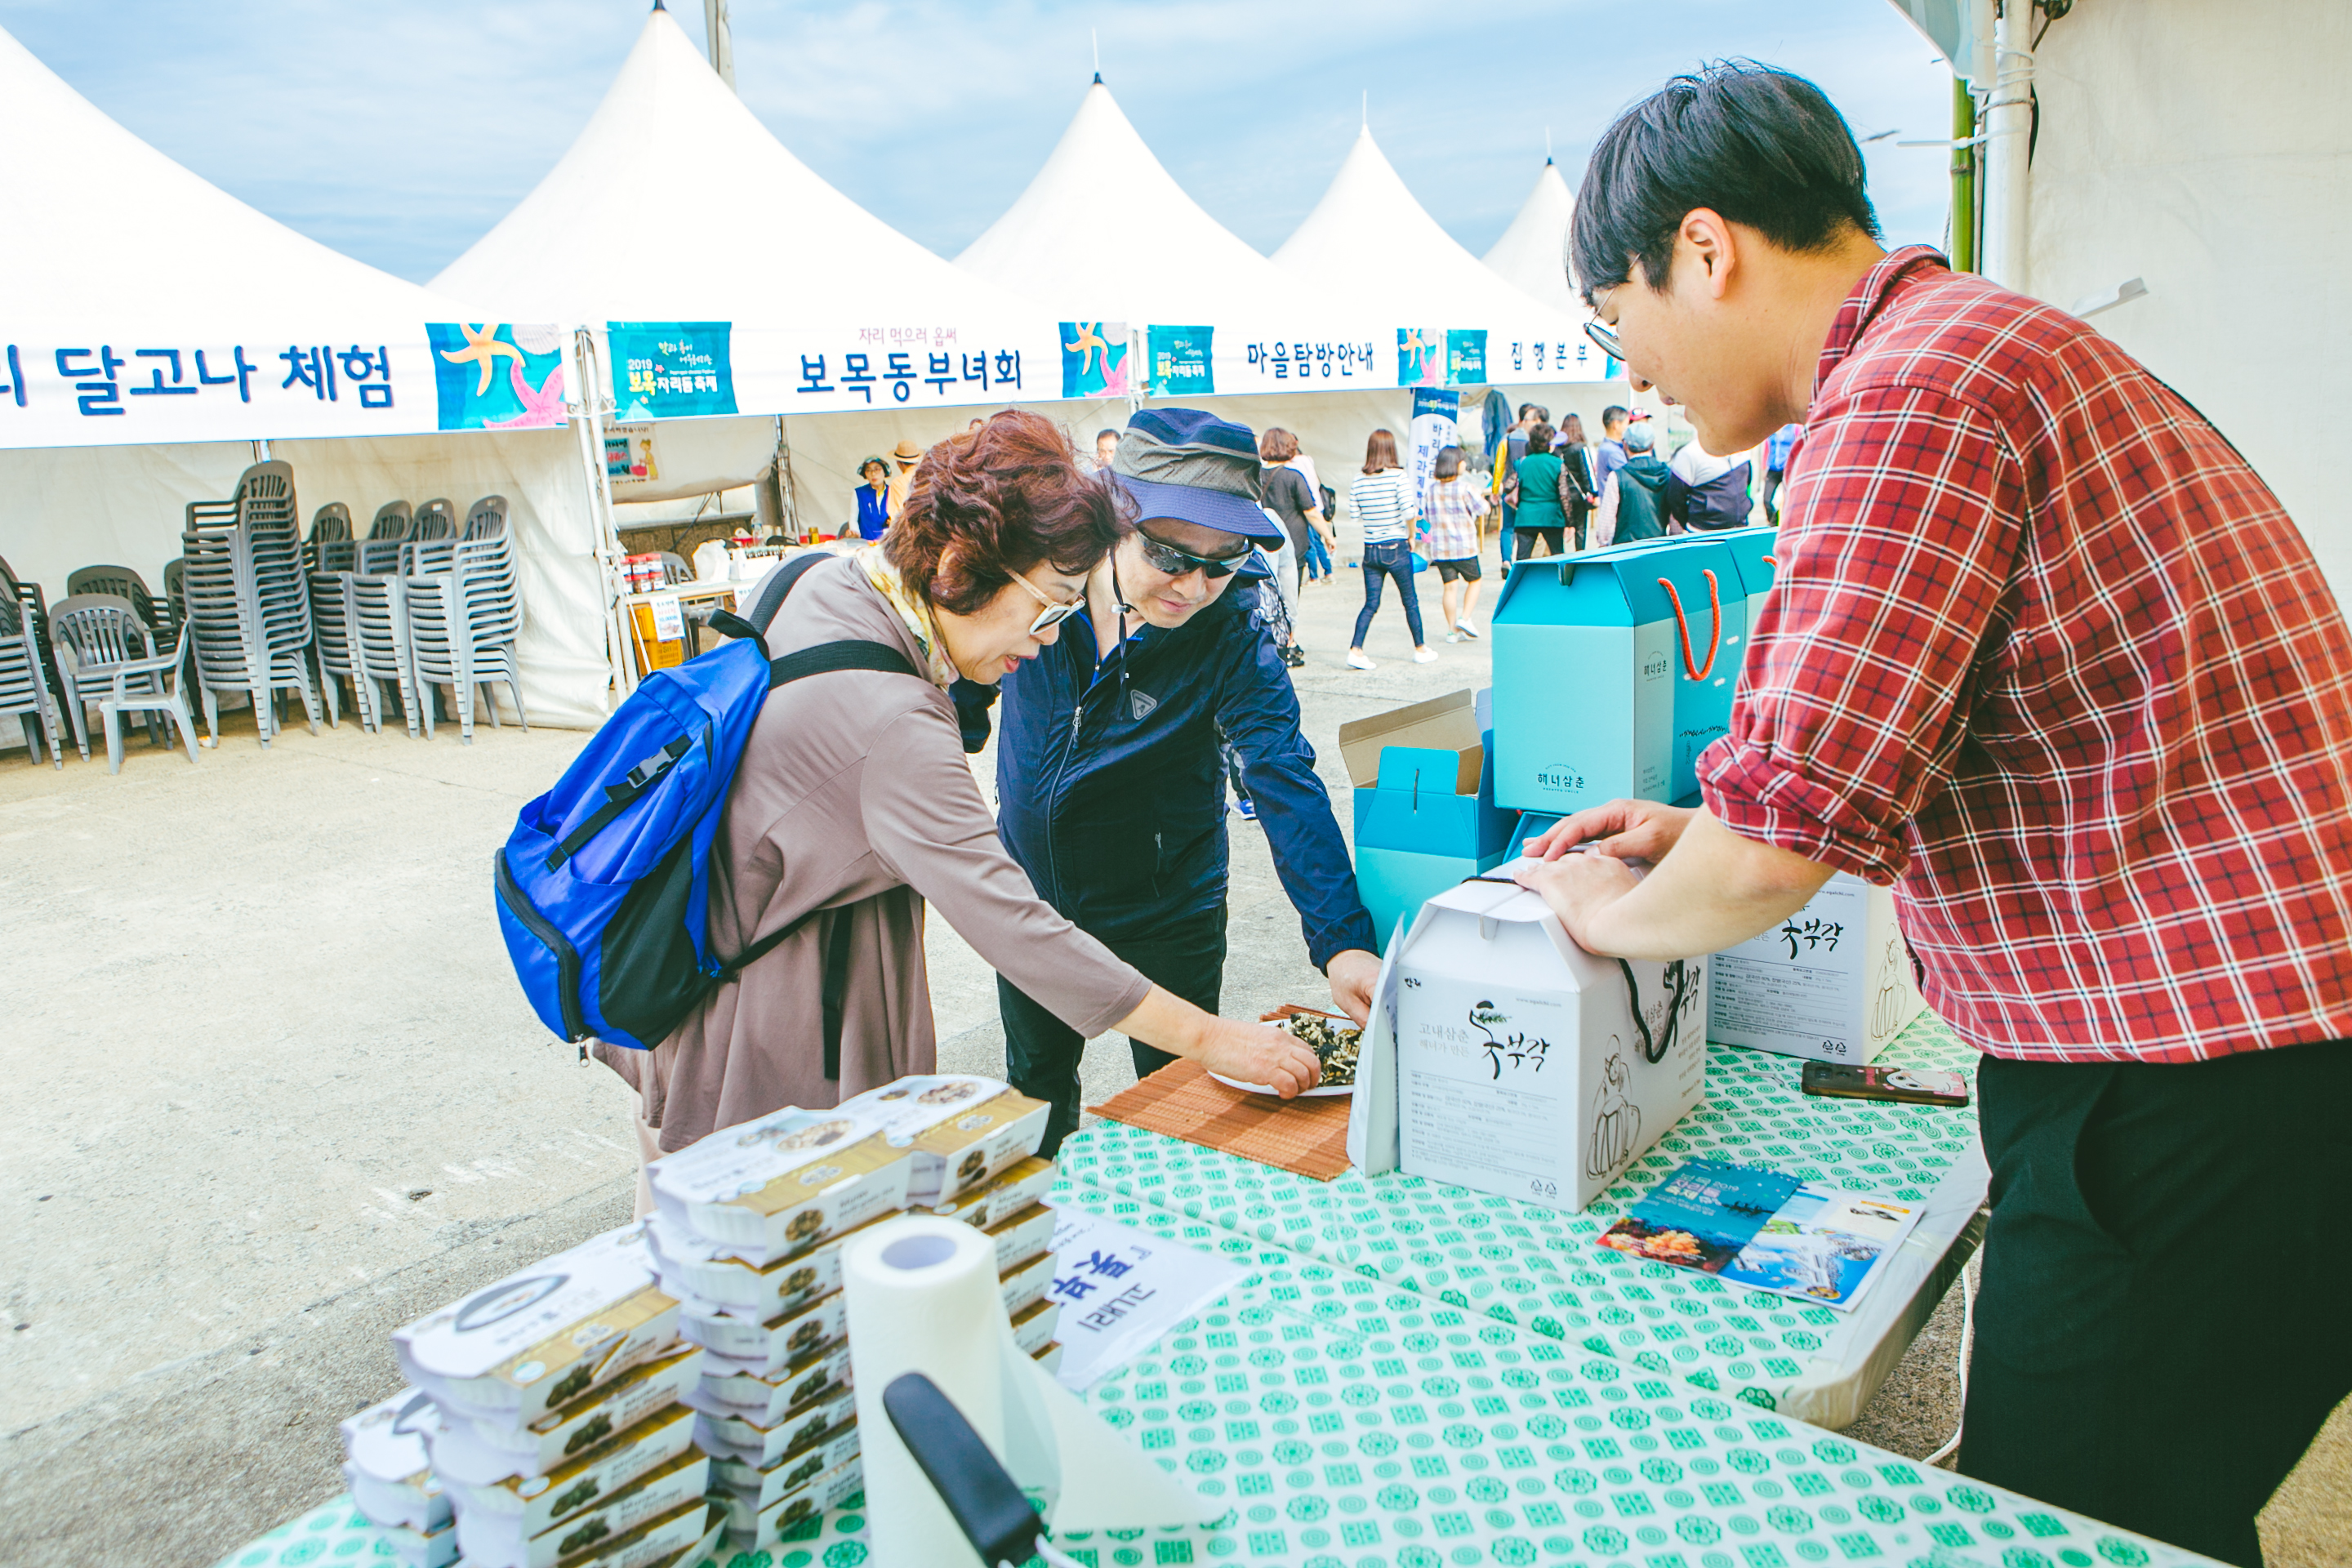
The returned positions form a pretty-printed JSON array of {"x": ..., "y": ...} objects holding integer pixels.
[{"x": 996, "y": 500}]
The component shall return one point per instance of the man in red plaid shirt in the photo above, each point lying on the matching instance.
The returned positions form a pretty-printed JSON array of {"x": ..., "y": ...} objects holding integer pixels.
[{"x": 2047, "y": 656}]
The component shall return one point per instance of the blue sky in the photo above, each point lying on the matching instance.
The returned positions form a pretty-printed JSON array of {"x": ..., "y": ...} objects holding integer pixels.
[{"x": 400, "y": 132}]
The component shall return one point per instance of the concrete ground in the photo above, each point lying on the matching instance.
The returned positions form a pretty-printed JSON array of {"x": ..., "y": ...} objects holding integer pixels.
[{"x": 278, "y": 1094}]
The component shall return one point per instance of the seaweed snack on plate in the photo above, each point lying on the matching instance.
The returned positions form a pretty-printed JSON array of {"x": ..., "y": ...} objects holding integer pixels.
[
  {"x": 767, "y": 1190},
  {"x": 480, "y": 1452},
  {"x": 960, "y": 1129},
  {"x": 1332, "y": 1038},
  {"x": 388, "y": 1469},
  {"x": 544, "y": 1337},
  {"x": 645, "y": 1522}
]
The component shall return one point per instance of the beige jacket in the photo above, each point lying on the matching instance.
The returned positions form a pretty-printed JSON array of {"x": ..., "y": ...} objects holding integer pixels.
[{"x": 854, "y": 796}]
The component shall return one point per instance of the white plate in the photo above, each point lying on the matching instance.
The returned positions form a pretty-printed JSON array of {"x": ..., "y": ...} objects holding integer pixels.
[{"x": 1268, "y": 1088}]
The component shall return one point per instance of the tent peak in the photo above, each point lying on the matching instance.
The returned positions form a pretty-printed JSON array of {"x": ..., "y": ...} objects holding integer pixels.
[{"x": 1097, "y": 78}]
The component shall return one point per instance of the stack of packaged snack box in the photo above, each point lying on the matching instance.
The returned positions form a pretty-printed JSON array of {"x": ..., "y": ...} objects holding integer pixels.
[
  {"x": 747, "y": 1236},
  {"x": 560, "y": 1440},
  {"x": 392, "y": 1479}
]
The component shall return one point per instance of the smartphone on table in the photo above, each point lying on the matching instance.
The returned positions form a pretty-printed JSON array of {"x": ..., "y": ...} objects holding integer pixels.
[{"x": 1912, "y": 1086}]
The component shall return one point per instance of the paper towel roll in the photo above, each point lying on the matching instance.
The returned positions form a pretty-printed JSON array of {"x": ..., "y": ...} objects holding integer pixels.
[{"x": 922, "y": 1296}]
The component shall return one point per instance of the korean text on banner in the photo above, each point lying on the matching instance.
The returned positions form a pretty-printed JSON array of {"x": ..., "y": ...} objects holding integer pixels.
[
  {"x": 672, "y": 370},
  {"x": 1437, "y": 425},
  {"x": 1183, "y": 362},
  {"x": 104, "y": 388}
]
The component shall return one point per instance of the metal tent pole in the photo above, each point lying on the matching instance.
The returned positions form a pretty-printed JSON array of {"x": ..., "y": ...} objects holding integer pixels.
[{"x": 589, "y": 421}]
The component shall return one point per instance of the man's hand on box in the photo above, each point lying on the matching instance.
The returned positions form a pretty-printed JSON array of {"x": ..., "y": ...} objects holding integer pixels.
[
  {"x": 1627, "y": 829},
  {"x": 1579, "y": 886},
  {"x": 1354, "y": 975}
]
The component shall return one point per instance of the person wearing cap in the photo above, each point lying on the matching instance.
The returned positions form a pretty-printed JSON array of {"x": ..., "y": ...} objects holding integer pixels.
[
  {"x": 1109, "y": 779},
  {"x": 906, "y": 454},
  {"x": 1633, "y": 503}
]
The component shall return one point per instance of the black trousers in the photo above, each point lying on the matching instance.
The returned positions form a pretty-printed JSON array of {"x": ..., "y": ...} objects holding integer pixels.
[
  {"x": 1554, "y": 540},
  {"x": 2166, "y": 1317},
  {"x": 1040, "y": 1052}
]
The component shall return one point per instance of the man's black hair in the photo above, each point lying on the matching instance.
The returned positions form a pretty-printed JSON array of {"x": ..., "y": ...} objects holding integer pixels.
[
  {"x": 1762, "y": 147},
  {"x": 1612, "y": 414}
]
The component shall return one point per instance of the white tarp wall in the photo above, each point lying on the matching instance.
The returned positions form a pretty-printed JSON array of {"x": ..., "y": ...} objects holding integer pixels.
[
  {"x": 81, "y": 506},
  {"x": 2208, "y": 149}
]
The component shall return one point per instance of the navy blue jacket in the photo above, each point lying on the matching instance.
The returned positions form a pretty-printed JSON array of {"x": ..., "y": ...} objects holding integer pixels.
[{"x": 1111, "y": 785}]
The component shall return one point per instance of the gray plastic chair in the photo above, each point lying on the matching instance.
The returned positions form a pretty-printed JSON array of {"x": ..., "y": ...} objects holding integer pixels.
[
  {"x": 375, "y": 629},
  {"x": 380, "y": 551},
  {"x": 435, "y": 519},
  {"x": 119, "y": 581},
  {"x": 330, "y": 547},
  {"x": 248, "y": 605},
  {"x": 111, "y": 655},
  {"x": 24, "y": 685}
]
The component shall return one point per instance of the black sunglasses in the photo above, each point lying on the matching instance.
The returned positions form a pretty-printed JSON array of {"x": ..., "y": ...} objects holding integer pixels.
[
  {"x": 1165, "y": 557},
  {"x": 1606, "y": 337}
]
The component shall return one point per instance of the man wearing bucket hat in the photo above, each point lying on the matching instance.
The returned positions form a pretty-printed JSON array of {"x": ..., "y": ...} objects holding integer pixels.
[
  {"x": 1109, "y": 780},
  {"x": 906, "y": 454}
]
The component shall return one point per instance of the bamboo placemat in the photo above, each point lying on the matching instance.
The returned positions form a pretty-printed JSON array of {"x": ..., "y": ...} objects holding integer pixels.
[{"x": 1305, "y": 1137}]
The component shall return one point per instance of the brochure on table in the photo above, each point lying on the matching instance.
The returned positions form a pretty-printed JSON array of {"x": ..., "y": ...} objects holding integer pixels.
[{"x": 1767, "y": 1230}]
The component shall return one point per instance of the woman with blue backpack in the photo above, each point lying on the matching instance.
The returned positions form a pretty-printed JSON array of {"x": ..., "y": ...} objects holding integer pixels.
[{"x": 851, "y": 809}]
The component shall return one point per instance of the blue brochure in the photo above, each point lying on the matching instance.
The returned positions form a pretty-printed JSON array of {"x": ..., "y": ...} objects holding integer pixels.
[{"x": 1702, "y": 1217}]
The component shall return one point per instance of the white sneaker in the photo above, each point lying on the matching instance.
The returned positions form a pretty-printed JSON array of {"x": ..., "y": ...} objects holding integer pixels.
[
  {"x": 1356, "y": 660},
  {"x": 1453, "y": 637},
  {"x": 1424, "y": 656},
  {"x": 1466, "y": 628}
]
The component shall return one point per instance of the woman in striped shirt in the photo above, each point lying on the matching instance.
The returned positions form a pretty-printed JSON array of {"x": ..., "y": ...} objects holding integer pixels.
[
  {"x": 1455, "y": 503},
  {"x": 1382, "y": 502}
]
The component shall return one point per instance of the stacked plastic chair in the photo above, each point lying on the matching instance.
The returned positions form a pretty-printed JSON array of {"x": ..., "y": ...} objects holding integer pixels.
[
  {"x": 330, "y": 547},
  {"x": 330, "y": 613},
  {"x": 435, "y": 520},
  {"x": 380, "y": 551},
  {"x": 375, "y": 629},
  {"x": 24, "y": 685},
  {"x": 464, "y": 612},
  {"x": 110, "y": 656},
  {"x": 248, "y": 605}
]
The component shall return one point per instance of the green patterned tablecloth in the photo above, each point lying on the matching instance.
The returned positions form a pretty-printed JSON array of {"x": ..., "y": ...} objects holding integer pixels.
[
  {"x": 1538, "y": 1268},
  {"x": 1351, "y": 1424}
]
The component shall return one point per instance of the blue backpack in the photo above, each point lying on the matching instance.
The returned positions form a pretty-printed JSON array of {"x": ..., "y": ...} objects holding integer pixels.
[{"x": 604, "y": 884}]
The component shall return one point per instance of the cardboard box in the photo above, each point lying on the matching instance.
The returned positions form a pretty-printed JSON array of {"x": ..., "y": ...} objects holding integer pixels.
[
  {"x": 660, "y": 630},
  {"x": 776, "y": 1187},
  {"x": 1833, "y": 983},
  {"x": 1526, "y": 1067},
  {"x": 544, "y": 1337},
  {"x": 766, "y": 1350},
  {"x": 1614, "y": 669},
  {"x": 1023, "y": 1236},
  {"x": 961, "y": 1129},
  {"x": 1002, "y": 1195},
  {"x": 761, "y": 1487},
  {"x": 1032, "y": 1330},
  {"x": 764, "y": 1529},
  {"x": 1024, "y": 1285},
  {"x": 744, "y": 1438},
  {"x": 492, "y": 1540},
  {"x": 539, "y": 1503},
  {"x": 389, "y": 1469},
  {"x": 766, "y": 1401},
  {"x": 481, "y": 1452},
  {"x": 1425, "y": 815}
]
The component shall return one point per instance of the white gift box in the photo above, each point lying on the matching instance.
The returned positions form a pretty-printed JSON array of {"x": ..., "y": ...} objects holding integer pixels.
[
  {"x": 1506, "y": 1059},
  {"x": 1831, "y": 983}
]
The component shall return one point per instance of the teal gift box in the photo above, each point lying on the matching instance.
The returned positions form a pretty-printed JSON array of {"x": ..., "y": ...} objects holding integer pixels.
[
  {"x": 1613, "y": 670},
  {"x": 1425, "y": 816}
]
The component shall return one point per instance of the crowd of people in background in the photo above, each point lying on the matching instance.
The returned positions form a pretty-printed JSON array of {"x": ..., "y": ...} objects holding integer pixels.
[{"x": 1548, "y": 490}]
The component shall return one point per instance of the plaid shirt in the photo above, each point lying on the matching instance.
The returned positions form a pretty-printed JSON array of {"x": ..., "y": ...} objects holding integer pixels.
[
  {"x": 1454, "y": 508},
  {"x": 2045, "y": 654}
]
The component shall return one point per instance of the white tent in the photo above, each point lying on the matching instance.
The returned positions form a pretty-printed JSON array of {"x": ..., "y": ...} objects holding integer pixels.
[
  {"x": 1368, "y": 236},
  {"x": 126, "y": 269},
  {"x": 1531, "y": 257},
  {"x": 2181, "y": 144},
  {"x": 1106, "y": 228},
  {"x": 821, "y": 307}
]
